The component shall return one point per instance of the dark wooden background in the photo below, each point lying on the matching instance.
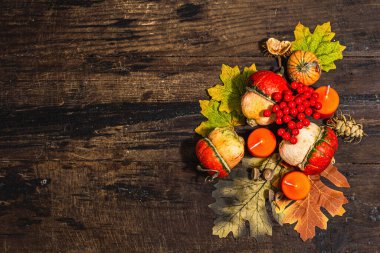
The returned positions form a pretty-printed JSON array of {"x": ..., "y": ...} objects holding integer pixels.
[{"x": 99, "y": 102}]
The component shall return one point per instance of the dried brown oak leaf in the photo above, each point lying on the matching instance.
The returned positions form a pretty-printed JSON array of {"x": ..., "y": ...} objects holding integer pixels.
[{"x": 307, "y": 212}]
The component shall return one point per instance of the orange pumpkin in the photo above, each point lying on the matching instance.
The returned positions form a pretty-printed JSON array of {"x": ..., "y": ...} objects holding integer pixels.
[{"x": 304, "y": 67}]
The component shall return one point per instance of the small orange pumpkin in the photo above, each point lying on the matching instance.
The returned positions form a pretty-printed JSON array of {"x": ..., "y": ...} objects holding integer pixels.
[{"x": 304, "y": 67}]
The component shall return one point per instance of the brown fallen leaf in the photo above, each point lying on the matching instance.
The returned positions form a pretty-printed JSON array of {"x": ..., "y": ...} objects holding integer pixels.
[{"x": 307, "y": 212}]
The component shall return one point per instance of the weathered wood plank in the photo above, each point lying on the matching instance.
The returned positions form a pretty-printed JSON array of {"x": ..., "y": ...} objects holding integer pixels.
[
  {"x": 181, "y": 28},
  {"x": 144, "y": 206},
  {"x": 120, "y": 78}
]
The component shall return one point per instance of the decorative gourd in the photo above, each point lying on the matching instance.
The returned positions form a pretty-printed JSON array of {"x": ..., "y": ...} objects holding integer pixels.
[
  {"x": 304, "y": 67},
  {"x": 314, "y": 150},
  {"x": 221, "y": 151},
  {"x": 258, "y": 96}
]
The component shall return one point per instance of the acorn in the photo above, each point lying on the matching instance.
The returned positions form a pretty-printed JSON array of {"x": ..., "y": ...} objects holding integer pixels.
[{"x": 220, "y": 151}]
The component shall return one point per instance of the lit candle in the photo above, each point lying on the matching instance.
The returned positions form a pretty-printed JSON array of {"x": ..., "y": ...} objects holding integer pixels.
[
  {"x": 295, "y": 185},
  {"x": 329, "y": 99},
  {"x": 261, "y": 142}
]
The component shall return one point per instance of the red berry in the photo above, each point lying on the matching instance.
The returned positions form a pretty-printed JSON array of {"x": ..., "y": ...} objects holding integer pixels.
[
  {"x": 293, "y": 112},
  {"x": 286, "y": 110},
  {"x": 300, "y": 89},
  {"x": 276, "y": 96},
  {"x": 315, "y": 95},
  {"x": 295, "y": 132},
  {"x": 294, "y": 85},
  {"x": 307, "y": 94},
  {"x": 286, "y": 118},
  {"x": 279, "y": 114},
  {"x": 316, "y": 115},
  {"x": 291, "y": 124},
  {"x": 288, "y": 97},
  {"x": 318, "y": 105},
  {"x": 286, "y": 136},
  {"x": 301, "y": 116},
  {"x": 312, "y": 102},
  {"x": 306, "y": 103},
  {"x": 301, "y": 108},
  {"x": 275, "y": 108},
  {"x": 280, "y": 131},
  {"x": 293, "y": 140},
  {"x": 306, "y": 122},
  {"x": 279, "y": 121},
  {"x": 292, "y": 104},
  {"x": 267, "y": 113},
  {"x": 283, "y": 105},
  {"x": 299, "y": 125},
  {"x": 298, "y": 100},
  {"x": 288, "y": 92},
  {"x": 308, "y": 111}
]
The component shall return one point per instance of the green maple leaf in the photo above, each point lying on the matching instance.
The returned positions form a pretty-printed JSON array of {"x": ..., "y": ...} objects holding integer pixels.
[
  {"x": 240, "y": 199},
  {"x": 234, "y": 83},
  {"x": 216, "y": 118},
  {"x": 319, "y": 42}
]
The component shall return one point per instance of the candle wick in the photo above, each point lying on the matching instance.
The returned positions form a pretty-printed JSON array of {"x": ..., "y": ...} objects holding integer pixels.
[
  {"x": 256, "y": 144},
  {"x": 327, "y": 91}
]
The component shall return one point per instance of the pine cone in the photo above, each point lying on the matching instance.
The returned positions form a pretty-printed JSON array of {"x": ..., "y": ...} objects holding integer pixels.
[{"x": 345, "y": 126}]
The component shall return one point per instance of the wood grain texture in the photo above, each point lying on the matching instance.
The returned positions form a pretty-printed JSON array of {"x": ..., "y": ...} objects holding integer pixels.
[{"x": 98, "y": 106}]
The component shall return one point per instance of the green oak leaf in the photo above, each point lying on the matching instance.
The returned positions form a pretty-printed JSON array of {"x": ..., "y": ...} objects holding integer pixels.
[
  {"x": 240, "y": 199},
  {"x": 216, "y": 118},
  {"x": 319, "y": 42},
  {"x": 234, "y": 83}
]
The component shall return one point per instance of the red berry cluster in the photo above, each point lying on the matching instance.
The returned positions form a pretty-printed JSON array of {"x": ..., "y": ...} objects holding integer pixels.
[{"x": 292, "y": 108}]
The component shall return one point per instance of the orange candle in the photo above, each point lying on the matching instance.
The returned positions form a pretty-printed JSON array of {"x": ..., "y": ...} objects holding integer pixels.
[
  {"x": 295, "y": 185},
  {"x": 329, "y": 99},
  {"x": 261, "y": 142}
]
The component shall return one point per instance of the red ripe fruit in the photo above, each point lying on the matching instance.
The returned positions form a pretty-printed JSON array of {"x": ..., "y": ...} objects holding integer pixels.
[
  {"x": 301, "y": 116},
  {"x": 300, "y": 89},
  {"x": 291, "y": 124},
  {"x": 294, "y": 85},
  {"x": 286, "y": 136},
  {"x": 308, "y": 111},
  {"x": 318, "y": 105},
  {"x": 275, "y": 108},
  {"x": 276, "y": 96},
  {"x": 283, "y": 105},
  {"x": 293, "y": 140},
  {"x": 279, "y": 121},
  {"x": 316, "y": 115},
  {"x": 312, "y": 102},
  {"x": 301, "y": 108},
  {"x": 287, "y": 92},
  {"x": 298, "y": 100},
  {"x": 307, "y": 94},
  {"x": 292, "y": 104},
  {"x": 288, "y": 97},
  {"x": 286, "y": 110},
  {"x": 279, "y": 114},
  {"x": 267, "y": 113},
  {"x": 306, "y": 122},
  {"x": 280, "y": 131},
  {"x": 295, "y": 132},
  {"x": 293, "y": 112},
  {"x": 299, "y": 125},
  {"x": 286, "y": 118},
  {"x": 315, "y": 95},
  {"x": 306, "y": 103}
]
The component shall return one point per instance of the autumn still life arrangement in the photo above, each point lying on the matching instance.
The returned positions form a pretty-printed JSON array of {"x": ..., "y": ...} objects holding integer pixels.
[{"x": 287, "y": 160}]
